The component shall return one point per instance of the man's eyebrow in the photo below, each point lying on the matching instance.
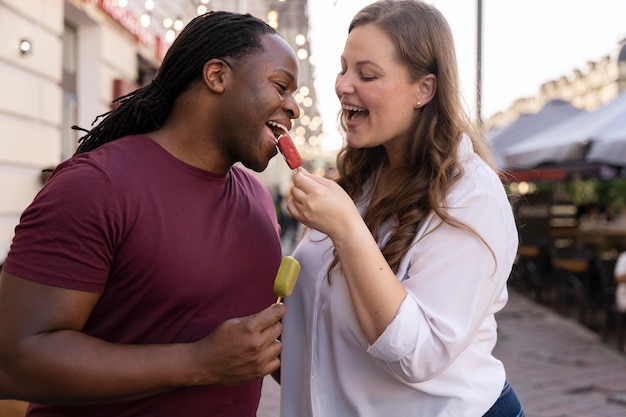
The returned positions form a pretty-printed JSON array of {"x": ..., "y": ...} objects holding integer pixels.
[{"x": 287, "y": 73}]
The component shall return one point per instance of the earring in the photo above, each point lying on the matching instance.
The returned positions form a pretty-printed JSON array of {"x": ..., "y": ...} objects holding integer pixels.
[{"x": 419, "y": 104}]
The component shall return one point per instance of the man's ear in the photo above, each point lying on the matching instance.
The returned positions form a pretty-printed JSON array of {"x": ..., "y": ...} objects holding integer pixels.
[
  {"x": 215, "y": 74},
  {"x": 427, "y": 87}
]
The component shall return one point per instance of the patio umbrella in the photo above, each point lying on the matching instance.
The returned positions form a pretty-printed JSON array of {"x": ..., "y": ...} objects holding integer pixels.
[
  {"x": 609, "y": 145},
  {"x": 567, "y": 141},
  {"x": 528, "y": 124}
]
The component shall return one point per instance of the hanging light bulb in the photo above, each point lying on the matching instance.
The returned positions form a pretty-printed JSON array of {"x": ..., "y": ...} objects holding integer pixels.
[
  {"x": 145, "y": 20},
  {"x": 170, "y": 35},
  {"x": 202, "y": 9},
  {"x": 168, "y": 22},
  {"x": 178, "y": 24},
  {"x": 149, "y": 5},
  {"x": 272, "y": 18},
  {"x": 302, "y": 53}
]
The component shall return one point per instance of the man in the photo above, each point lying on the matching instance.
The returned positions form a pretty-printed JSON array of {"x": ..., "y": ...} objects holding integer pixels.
[{"x": 139, "y": 279}]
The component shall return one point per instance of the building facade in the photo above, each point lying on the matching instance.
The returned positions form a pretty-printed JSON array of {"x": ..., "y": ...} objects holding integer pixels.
[
  {"x": 63, "y": 62},
  {"x": 589, "y": 88}
]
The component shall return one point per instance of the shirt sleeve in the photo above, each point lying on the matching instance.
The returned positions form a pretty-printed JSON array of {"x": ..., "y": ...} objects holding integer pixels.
[
  {"x": 455, "y": 283},
  {"x": 65, "y": 237}
]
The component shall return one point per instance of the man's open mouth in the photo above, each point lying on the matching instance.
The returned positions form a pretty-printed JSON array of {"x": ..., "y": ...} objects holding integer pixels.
[{"x": 277, "y": 128}]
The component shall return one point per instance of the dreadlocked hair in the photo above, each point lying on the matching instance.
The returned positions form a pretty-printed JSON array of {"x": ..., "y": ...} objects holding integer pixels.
[{"x": 216, "y": 34}]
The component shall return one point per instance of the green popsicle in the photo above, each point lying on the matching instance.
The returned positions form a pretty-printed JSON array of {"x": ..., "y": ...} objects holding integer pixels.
[{"x": 286, "y": 277}]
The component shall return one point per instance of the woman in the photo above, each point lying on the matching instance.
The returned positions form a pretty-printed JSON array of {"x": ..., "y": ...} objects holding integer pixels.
[{"x": 407, "y": 255}]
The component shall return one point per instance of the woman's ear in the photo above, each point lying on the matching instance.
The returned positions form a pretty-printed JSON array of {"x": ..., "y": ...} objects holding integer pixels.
[
  {"x": 426, "y": 89},
  {"x": 215, "y": 74}
]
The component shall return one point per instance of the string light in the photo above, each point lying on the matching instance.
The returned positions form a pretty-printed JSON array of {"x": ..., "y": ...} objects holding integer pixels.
[
  {"x": 178, "y": 24},
  {"x": 170, "y": 35},
  {"x": 145, "y": 20},
  {"x": 302, "y": 53},
  {"x": 272, "y": 18}
]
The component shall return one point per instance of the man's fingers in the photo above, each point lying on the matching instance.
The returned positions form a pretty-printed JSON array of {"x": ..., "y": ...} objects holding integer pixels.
[{"x": 268, "y": 317}]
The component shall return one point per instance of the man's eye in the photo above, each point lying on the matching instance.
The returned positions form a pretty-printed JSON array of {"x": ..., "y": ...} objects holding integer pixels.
[{"x": 283, "y": 87}]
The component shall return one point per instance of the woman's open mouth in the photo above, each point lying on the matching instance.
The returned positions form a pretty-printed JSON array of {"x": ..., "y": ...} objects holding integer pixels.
[{"x": 354, "y": 113}]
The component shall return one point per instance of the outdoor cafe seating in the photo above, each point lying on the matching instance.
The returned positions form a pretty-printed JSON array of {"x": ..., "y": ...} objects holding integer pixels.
[{"x": 577, "y": 282}]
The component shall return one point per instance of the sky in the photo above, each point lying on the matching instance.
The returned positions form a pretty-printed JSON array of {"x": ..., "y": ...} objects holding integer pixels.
[{"x": 525, "y": 43}]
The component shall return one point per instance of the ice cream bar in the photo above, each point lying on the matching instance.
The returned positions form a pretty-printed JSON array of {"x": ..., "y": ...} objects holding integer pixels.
[
  {"x": 289, "y": 151},
  {"x": 286, "y": 277}
]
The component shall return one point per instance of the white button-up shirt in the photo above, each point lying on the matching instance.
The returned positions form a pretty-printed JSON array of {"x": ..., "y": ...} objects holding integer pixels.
[{"x": 434, "y": 359}]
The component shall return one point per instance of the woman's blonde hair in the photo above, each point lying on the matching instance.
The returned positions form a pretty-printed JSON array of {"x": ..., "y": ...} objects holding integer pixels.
[{"x": 425, "y": 45}]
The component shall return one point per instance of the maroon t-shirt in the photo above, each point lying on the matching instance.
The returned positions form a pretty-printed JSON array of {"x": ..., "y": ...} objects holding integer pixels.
[{"x": 174, "y": 250}]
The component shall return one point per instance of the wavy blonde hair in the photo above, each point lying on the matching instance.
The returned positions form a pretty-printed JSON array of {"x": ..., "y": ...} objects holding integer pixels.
[{"x": 425, "y": 44}]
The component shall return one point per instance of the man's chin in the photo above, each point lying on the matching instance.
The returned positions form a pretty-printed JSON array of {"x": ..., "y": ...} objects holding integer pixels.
[{"x": 256, "y": 166}]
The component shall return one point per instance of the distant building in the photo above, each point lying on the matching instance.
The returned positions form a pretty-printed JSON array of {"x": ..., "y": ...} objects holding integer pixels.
[{"x": 587, "y": 89}]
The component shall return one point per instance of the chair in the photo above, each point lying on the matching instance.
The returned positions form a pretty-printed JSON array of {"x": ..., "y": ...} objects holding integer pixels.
[
  {"x": 613, "y": 318},
  {"x": 533, "y": 271},
  {"x": 573, "y": 271}
]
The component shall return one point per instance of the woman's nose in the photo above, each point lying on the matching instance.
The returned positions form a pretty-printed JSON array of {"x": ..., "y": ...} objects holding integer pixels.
[{"x": 343, "y": 85}]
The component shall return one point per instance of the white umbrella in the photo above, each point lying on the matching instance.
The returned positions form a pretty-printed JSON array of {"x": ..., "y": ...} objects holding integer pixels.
[
  {"x": 528, "y": 124},
  {"x": 609, "y": 146},
  {"x": 567, "y": 141}
]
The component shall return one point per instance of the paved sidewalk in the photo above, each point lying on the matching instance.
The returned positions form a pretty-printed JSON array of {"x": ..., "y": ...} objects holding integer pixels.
[{"x": 558, "y": 367}]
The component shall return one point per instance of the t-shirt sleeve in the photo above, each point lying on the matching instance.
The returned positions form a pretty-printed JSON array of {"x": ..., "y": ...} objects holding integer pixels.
[{"x": 66, "y": 236}]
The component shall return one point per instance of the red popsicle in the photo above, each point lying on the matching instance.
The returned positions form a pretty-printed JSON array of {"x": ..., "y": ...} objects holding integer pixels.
[{"x": 289, "y": 151}]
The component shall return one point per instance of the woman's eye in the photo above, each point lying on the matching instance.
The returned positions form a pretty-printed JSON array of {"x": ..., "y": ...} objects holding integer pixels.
[{"x": 367, "y": 77}]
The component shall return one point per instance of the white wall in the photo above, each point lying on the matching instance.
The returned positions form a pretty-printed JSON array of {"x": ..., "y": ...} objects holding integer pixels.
[
  {"x": 30, "y": 111},
  {"x": 31, "y": 94}
]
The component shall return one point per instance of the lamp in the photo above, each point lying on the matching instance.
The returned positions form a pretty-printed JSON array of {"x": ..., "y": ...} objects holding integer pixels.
[{"x": 25, "y": 46}]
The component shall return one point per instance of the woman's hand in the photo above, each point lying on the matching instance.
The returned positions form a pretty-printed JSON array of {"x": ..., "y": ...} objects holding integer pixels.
[
  {"x": 375, "y": 291},
  {"x": 322, "y": 204}
]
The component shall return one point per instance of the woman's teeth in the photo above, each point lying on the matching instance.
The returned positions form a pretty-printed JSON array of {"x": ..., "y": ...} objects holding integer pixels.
[
  {"x": 353, "y": 108},
  {"x": 352, "y": 111}
]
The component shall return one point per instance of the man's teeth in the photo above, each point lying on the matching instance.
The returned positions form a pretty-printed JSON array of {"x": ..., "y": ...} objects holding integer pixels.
[{"x": 278, "y": 129}]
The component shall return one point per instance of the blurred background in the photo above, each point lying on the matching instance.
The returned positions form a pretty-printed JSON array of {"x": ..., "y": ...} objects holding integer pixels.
[{"x": 545, "y": 80}]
